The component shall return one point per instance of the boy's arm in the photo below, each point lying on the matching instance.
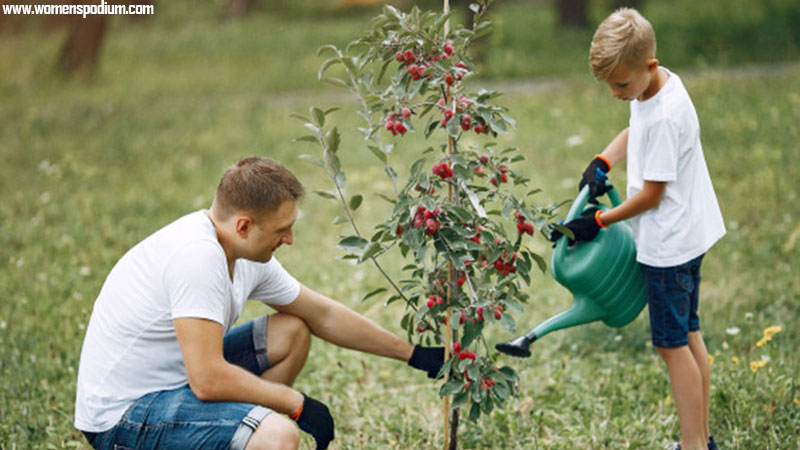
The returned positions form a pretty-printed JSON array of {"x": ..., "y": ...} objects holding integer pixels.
[
  {"x": 649, "y": 197},
  {"x": 617, "y": 149}
]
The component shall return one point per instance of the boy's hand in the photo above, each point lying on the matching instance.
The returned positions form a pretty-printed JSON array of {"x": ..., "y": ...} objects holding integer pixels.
[
  {"x": 595, "y": 176},
  {"x": 427, "y": 359},
  {"x": 584, "y": 228}
]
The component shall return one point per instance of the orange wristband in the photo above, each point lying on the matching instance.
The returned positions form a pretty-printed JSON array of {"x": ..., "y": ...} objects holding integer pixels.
[
  {"x": 296, "y": 414},
  {"x": 605, "y": 160},
  {"x": 597, "y": 219}
]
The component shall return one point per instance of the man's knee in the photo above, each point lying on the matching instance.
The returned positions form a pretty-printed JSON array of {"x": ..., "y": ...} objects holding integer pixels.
[
  {"x": 275, "y": 432},
  {"x": 286, "y": 333}
]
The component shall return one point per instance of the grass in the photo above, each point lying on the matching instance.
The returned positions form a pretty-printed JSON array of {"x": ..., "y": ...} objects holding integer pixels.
[{"x": 90, "y": 168}]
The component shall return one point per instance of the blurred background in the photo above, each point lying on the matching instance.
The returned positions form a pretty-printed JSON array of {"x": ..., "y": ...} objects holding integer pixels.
[{"x": 113, "y": 126}]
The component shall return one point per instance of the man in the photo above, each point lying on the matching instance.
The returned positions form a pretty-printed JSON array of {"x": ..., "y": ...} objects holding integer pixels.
[{"x": 161, "y": 365}]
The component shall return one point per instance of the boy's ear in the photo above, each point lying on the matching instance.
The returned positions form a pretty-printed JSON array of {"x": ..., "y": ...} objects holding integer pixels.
[{"x": 652, "y": 64}]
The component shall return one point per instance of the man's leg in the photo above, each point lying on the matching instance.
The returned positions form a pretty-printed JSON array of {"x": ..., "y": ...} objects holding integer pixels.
[
  {"x": 275, "y": 432},
  {"x": 288, "y": 343},
  {"x": 686, "y": 382},
  {"x": 698, "y": 349}
]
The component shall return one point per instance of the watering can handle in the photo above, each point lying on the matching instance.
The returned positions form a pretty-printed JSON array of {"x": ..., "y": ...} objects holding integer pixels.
[{"x": 577, "y": 208}]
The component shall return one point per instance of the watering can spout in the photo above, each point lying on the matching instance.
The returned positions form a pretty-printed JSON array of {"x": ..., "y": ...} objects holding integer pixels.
[{"x": 583, "y": 311}]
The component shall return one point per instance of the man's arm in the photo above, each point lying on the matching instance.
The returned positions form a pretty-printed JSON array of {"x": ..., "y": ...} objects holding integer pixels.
[
  {"x": 339, "y": 325},
  {"x": 212, "y": 378}
]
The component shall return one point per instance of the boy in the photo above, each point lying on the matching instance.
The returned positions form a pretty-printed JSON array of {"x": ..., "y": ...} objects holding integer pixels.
[{"x": 670, "y": 203}]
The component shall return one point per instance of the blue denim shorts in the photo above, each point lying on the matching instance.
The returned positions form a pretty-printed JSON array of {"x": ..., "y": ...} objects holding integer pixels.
[
  {"x": 672, "y": 298},
  {"x": 178, "y": 419}
]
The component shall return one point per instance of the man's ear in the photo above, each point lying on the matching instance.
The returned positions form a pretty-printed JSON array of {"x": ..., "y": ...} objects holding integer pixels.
[{"x": 243, "y": 225}]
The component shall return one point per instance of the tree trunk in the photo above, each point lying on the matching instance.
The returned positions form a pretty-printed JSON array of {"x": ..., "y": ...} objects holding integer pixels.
[
  {"x": 81, "y": 50},
  {"x": 573, "y": 13},
  {"x": 238, "y": 8},
  {"x": 454, "y": 430},
  {"x": 635, "y": 4}
]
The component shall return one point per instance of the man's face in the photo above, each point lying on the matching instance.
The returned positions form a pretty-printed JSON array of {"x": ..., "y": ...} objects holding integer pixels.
[
  {"x": 272, "y": 231},
  {"x": 628, "y": 83}
]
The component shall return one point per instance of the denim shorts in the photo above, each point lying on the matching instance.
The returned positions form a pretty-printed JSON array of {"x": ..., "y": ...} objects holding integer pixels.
[
  {"x": 177, "y": 419},
  {"x": 672, "y": 298}
]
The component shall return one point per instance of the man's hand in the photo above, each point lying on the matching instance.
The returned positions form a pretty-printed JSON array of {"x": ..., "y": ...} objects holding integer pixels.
[
  {"x": 316, "y": 420},
  {"x": 584, "y": 228},
  {"x": 427, "y": 359},
  {"x": 595, "y": 176}
]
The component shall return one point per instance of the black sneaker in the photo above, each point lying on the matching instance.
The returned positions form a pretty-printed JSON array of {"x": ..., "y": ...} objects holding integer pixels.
[{"x": 711, "y": 444}]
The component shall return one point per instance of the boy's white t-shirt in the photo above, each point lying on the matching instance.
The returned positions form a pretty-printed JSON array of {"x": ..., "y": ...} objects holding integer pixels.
[
  {"x": 664, "y": 145},
  {"x": 131, "y": 348}
]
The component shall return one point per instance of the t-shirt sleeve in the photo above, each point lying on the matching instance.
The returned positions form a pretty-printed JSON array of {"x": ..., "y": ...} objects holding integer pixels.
[
  {"x": 660, "y": 157},
  {"x": 276, "y": 286},
  {"x": 197, "y": 283}
]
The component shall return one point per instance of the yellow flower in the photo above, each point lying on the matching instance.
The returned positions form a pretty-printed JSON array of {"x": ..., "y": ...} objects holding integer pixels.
[
  {"x": 710, "y": 359},
  {"x": 797, "y": 402},
  {"x": 775, "y": 329},
  {"x": 754, "y": 366},
  {"x": 734, "y": 360},
  {"x": 668, "y": 400},
  {"x": 763, "y": 341}
]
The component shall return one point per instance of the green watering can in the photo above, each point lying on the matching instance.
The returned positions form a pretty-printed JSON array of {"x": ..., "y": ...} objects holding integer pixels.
[{"x": 606, "y": 281}]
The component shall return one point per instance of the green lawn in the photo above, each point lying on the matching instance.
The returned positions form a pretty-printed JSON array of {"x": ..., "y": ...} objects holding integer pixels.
[{"x": 90, "y": 168}]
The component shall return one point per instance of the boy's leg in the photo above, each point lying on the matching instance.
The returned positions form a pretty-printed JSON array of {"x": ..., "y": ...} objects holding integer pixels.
[
  {"x": 686, "y": 382},
  {"x": 672, "y": 298},
  {"x": 698, "y": 349}
]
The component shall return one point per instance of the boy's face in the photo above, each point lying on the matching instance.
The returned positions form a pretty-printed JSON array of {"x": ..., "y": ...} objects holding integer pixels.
[{"x": 629, "y": 82}]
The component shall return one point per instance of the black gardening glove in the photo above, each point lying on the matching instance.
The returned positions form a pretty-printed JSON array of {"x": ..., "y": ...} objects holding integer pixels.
[
  {"x": 316, "y": 420},
  {"x": 427, "y": 359},
  {"x": 595, "y": 176},
  {"x": 585, "y": 228}
]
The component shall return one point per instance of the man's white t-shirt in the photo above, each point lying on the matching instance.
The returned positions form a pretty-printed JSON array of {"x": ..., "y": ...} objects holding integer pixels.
[
  {"x": 130, "y": 348},
  {"x": 664, "y": 145}
]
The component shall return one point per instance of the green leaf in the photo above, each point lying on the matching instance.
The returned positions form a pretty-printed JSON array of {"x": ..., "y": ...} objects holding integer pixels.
[
  {"x": 300, "y": 116},
  {"x": 451, "y": 387},
  {"x": 328, "y": 47},
  {"x": 332, "y": 138},
  {"x": 330, "y": 110},
  {"x": 508, "y": 323},
  {"x": 373, "y": 293},
  {"x": 475, "y": 412},
  {"x": 340, "y": 180},
  {"x": 539, "y": 261},
  {"x": 338, "y": 82},
  {"x": 324, "y": 194},
  {"x": 378, "y": 153},
  {"x": 339, "y": 219},
  {"x": 306, "y": 138},
  {"x": 371, "y": 251},
  {"x": 318, "y": 116},
  {"x": 352, "y": 243},
  {"x": 328, "y": 62},
  {"x": 312, "y": 160},
  {"x": 355, "y": 202},
  {"x": 460, "y": 398}
]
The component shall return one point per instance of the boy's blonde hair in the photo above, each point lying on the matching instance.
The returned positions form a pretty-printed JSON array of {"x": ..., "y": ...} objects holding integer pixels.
[{"x": 624, "y": 37}]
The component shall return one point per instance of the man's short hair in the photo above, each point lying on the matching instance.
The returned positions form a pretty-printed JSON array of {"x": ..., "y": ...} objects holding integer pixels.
[
  {"x": 255, "y": 185},
  {"x": 624, "y": 37}
]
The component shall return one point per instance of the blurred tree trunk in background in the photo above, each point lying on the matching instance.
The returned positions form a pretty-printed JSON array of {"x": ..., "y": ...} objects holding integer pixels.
[
  {"x": 635, "y": 4},
  {"x": 573, "y": 13},
  {"x": 238, "y": 8},
  {"x": 81, "y": 50}
]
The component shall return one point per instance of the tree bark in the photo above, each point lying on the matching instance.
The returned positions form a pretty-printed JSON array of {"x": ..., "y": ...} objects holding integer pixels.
[
  {"x": 81, "y": 50},
  {"x": 573, "y": 13},
  {"x": 238, "y": 8}
]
